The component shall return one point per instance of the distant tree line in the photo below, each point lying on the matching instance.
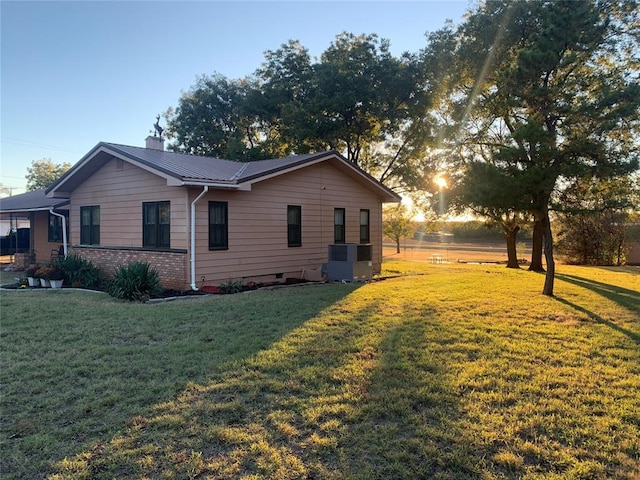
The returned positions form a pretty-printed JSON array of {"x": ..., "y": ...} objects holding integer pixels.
[{"x": 520, "y": 107}]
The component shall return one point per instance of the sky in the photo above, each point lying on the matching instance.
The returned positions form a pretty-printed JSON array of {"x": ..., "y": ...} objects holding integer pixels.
[{"x": 75, "y": 73}]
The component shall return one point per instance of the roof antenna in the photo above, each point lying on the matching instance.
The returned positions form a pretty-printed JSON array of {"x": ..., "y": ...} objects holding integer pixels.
[{"x": 158, "y": 128}]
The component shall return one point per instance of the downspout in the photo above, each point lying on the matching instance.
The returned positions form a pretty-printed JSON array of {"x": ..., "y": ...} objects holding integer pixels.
[
  {"x": 193, "y": 237},
  {"x": 64, "y": 230}
]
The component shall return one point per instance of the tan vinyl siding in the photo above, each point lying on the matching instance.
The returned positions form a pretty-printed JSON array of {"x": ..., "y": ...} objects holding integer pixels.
[
  {"x": 257, "y": 221},
  {"x": 120, "y": 193},
  {"x": 258, "y": 224}
]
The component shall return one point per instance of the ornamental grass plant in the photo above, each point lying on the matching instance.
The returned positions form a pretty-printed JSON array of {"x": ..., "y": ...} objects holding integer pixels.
[
  {"x": 80, "y": 272},
  {"x": 136, "y": 281}
]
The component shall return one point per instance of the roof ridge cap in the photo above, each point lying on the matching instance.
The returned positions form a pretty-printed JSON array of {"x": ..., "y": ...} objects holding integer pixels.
[{"x": 240, "y": 171}]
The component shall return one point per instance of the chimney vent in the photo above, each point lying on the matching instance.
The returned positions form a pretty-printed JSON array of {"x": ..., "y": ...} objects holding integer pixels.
[{"x": 155, "y": 143}]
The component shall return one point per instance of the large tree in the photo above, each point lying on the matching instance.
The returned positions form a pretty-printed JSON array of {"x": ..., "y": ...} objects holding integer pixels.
[
  {"x": 213, "y": 119},
  {"x": 44, "y": 173},
  {"x": 357, "y": 99},
  {"x": 548, "y": 92}
]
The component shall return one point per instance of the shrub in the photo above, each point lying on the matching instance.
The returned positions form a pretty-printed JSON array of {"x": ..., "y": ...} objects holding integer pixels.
[
  {"x": 44, "y": 273},
  {"x": 56, "y": 273},
  {"x": 231, "y": 286},
  {"x": 31, "y": 272},
  {"x": 79, "y": 272},
  {"x": 135, "y": 281}
]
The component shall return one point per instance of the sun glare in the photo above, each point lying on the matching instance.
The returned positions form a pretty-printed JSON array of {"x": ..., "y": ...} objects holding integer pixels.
[{"x": 441, "y": 182}]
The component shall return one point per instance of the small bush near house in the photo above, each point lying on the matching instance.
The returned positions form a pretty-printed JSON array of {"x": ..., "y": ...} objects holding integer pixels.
[
  {"x": 136, "y": 281},
  {"x": 231, "y": 286},
  {"x": 44, "y": 273},
  {"x": 31, "y": 272},
  {"x": 80, "y": 273}
]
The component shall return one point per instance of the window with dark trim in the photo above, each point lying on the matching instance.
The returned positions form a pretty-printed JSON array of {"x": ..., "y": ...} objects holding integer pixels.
[
  {"x": 294, "y": 225},
  {"x": 365, "y": 232},
  {"x": 218, "y": 225},
  {"x": 55, "y": 227},
  {"x": 90, "y": 225},
  {"x": 156, "y": 224},
  {"x": 338, "y": 225}
]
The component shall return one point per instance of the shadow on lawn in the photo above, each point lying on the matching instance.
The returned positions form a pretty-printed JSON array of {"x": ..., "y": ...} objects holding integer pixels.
[
  {"x": 408, "y": 421},
  {"x": 626, "y": 298},
  {"x": 277, "y": 414},
  {"x": 125, "y": 367},
  {"x": 349, "y": 394},
  {"x": 629, "y": 333}
]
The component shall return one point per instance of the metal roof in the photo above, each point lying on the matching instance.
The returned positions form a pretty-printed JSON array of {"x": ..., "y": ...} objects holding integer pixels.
[
  {"x": 30, "y": 202},
  {"x": 181, "y": 165},
  {"x": 182, "y": 169}
]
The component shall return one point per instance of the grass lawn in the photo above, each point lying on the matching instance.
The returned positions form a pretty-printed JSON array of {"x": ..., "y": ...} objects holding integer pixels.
[{"x": 454, "y": 372}]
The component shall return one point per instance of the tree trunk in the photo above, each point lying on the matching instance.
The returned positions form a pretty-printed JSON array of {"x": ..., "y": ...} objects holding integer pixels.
[
  {"x": 398, "y": 245},
  {"x": 536, "y": 247},
  {"x": 512, "y": 252},
  {"x": 548, "y": 255}
]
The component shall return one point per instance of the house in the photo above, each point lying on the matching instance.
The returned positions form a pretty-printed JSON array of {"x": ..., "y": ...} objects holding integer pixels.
[
  {"x": 200, "y": 220},
  {"x": 42, "y": 214}
]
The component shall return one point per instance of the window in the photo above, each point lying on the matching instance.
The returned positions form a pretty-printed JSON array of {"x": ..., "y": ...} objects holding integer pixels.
[
  {"x": 156, "y": 224},
  {"x": 90, "y": 225},
  {"x": 364, "y": 227},
  {"x": 338, "y": 225},
  {"x": 294, "y": 225},
  {"x": 218, "y": 226},
  {"x": 55, "y": 227}
]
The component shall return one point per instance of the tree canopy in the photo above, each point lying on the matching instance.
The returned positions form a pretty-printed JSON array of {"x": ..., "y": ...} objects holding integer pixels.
[
  {"x": 44, "y": 173},
  {"x": 545, "y": 92},
  {"x": 357, "y": 99}
]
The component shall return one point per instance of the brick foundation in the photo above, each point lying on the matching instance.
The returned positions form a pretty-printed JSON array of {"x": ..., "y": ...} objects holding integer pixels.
[
  {"x": 171, "y": 265},
  {"x": 22, "y": 261}
]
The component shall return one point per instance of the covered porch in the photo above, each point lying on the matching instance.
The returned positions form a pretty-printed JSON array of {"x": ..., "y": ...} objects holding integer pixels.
[{"x": 43, "y": 217}]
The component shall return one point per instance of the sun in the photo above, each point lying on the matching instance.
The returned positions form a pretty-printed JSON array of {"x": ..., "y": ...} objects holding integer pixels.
[{"x": 441, "y": 182}]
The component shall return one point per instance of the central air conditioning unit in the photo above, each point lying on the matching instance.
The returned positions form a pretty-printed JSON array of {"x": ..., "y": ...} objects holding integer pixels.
[{"x": 350, "y": 262}]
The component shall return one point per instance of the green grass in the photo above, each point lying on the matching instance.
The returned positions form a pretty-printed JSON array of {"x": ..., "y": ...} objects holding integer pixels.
[
  {"x": 456, "y": 372},
  {"x": 9, "y": 277}
]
